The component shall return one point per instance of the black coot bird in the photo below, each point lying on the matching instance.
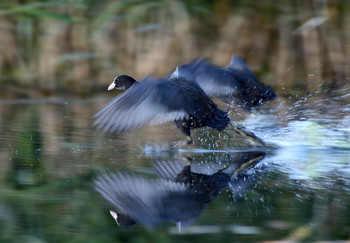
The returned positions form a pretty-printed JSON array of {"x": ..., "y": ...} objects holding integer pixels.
[
  {"x": 234, "y": 84},
  {"x": 156, "y": 101},
  {"x": 179, "y": 193}
]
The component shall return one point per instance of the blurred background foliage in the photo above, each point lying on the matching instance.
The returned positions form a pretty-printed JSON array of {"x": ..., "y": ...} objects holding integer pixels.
[{"x": 79, "y": 46}]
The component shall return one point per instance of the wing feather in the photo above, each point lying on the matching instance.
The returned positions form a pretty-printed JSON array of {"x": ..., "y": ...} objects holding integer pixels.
[
  {"x": 142, "y": 104},
  {"x": 140, "y": 198}
]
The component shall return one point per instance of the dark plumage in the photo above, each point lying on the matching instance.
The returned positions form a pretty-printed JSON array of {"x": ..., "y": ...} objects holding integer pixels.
[
  {"x": 234, "y": 84},
  {"x": 151, "y": 102},
  {"x": 178, "y": 194}
]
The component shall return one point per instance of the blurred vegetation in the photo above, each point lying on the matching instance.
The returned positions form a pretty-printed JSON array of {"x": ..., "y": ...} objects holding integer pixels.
[{"x": 79, "y": 46}]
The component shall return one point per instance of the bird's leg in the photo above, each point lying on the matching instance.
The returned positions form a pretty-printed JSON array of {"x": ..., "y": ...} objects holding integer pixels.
[
  {"x": 189, "y": 140},
  {"x": 187, "y": 131},
  {"x": 189, "y": 163},
  {"x": 241, "y": 131},
  {"x": 184, "y": 126}
]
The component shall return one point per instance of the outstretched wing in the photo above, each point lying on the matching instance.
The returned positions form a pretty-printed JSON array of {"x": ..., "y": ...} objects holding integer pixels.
[
  {"x": 144, "y": 103},
  {"x": 144, "y": 200},
  {"x": 238, "y": 64},
  {"x": 212, "y": 79},
  {"x": 235, "y": 83}
]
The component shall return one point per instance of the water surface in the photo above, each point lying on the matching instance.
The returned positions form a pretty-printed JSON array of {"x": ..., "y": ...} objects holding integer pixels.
[{"x": 50, "y": 154}]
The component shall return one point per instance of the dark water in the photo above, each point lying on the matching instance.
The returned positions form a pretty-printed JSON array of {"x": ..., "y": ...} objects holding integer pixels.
[
  {"x": 50, "y": 154},
  {"x": 57, "y": 57}
]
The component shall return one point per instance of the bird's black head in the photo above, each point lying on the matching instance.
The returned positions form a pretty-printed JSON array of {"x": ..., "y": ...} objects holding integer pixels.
[
  {"x": 122, "y": 82},
  {"x": 122, "y": 219}
]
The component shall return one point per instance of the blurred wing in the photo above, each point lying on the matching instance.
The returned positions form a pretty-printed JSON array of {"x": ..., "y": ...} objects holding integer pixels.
[
  {"x": 142, "y": 104},
  {"x": 254, "y": 89},
  {"x": 140, "y": 198},
  {"x": 213, "y": 80},
  {"x": 169, "y": 169},
  {"x": 235, "y": 83},
  {"x": 238, "y": 64}
]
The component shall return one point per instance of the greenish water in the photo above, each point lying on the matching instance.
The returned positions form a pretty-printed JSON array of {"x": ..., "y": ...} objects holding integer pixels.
[
  {"x": 50, "y": 154},
  {"x": 56, "y": 61}
]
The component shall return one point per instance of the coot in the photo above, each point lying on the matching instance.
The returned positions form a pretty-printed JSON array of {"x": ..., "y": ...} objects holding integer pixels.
[
  {"x": 234, "y": 84},
  {"x": 155, "y": 101},
  {"x": 179, "y": 193}
]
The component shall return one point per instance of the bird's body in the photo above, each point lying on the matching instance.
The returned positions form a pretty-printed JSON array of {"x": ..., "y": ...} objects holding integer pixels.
[
  {"x": 234, "y": 84},
  {"x": 152, "y": 102},
  {"x": 178, "y": 193}
]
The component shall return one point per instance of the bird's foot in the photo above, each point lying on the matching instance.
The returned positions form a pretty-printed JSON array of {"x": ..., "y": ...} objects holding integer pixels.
[{"x": 189, "y": 140}]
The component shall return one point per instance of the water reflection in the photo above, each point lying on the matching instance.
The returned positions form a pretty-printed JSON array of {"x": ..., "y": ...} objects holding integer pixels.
[
  {"x": 178, "y": 194},
  {"x": 49, "y": 154}
]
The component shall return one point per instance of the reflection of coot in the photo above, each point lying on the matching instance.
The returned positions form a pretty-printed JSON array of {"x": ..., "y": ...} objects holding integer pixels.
[
  {"x": 151, "y": 102},
  {"x": 234, "y": 84},
  {"x": 177, "y": 195}
]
